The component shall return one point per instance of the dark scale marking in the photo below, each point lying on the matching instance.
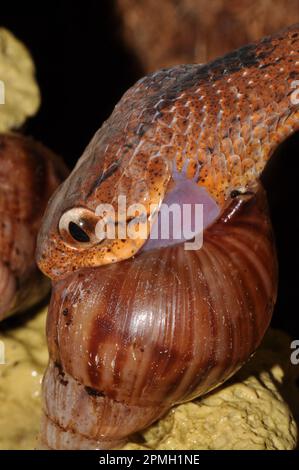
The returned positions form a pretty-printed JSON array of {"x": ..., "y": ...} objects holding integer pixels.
[
  {"x": 106, "y": 174},
  {"x": 141, "y": 129}
]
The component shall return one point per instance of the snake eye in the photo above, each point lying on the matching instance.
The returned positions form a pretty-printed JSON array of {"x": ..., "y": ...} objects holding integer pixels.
[
  {"x": 77, "y": 227},
  {"x": 78, "y": 233}
]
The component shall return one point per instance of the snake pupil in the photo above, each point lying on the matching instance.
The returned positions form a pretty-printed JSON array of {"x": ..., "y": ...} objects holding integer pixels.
[{"x": 77, "y": 233}]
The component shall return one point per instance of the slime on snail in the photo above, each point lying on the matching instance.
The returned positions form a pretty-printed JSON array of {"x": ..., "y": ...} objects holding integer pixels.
[{"x": 150, "y": 326}]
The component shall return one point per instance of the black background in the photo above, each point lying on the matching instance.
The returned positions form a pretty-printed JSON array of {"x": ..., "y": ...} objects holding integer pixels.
[{"x": 83, "y": 68}]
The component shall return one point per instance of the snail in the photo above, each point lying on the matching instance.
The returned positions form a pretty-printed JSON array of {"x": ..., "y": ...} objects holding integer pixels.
[
  {"x": 136, "y": 325},
  {"x": 29, "y": 173}
]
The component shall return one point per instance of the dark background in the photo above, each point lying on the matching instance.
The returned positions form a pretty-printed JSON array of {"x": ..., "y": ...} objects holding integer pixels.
[{"x": 83, "y": 67}]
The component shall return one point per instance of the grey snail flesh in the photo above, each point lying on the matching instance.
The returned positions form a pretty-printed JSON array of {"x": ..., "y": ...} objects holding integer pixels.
[{"x": 132, "y": 331}]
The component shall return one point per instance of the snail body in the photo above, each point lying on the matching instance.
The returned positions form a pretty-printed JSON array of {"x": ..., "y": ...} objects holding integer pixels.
[
  {"x": 135, "y": 327},
  {"x": 29, "y": 173}
]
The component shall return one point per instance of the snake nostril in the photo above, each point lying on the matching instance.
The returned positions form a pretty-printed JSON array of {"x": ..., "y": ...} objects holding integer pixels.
[{"x": 78, "y": 233}]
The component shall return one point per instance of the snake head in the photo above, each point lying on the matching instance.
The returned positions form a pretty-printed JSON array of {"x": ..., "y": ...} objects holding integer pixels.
[{"x": 102, "y": 213}]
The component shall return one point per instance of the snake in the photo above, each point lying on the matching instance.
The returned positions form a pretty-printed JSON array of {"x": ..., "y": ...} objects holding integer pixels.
[{"x": 135, "y": 324}]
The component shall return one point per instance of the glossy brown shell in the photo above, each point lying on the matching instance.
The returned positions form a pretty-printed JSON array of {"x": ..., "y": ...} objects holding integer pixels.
[{"x": 29, "y": 173}]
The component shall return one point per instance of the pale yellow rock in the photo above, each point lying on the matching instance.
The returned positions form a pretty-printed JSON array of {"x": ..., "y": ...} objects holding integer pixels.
[
  {"x": 26, "y": 357},
  {"x": 19, "y": 92},
  {"x": 252, "y": 411}
]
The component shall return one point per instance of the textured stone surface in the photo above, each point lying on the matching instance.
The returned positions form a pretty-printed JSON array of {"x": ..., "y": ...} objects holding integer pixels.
[
  {"x": 17, "y": 73},
  {"x": 26, "y": 357}
]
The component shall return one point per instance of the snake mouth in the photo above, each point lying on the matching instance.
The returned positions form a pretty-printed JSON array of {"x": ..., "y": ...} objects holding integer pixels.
[
  {"x": 135, "y": 251},
  {"x": 181, "y": 217},
  {"x": 186, "y": 212}
]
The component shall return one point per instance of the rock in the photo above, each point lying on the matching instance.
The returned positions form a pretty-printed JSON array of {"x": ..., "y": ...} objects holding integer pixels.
[
  {"x": 19, "y": 92},
  {"x": 25, "y": 357}
]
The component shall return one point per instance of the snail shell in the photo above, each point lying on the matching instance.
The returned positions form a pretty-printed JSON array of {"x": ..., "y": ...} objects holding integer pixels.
[
  {"x": 163, "y": 329},
  {"x": 135, "y": 328},
  {"x": 29, "y": 173}
]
